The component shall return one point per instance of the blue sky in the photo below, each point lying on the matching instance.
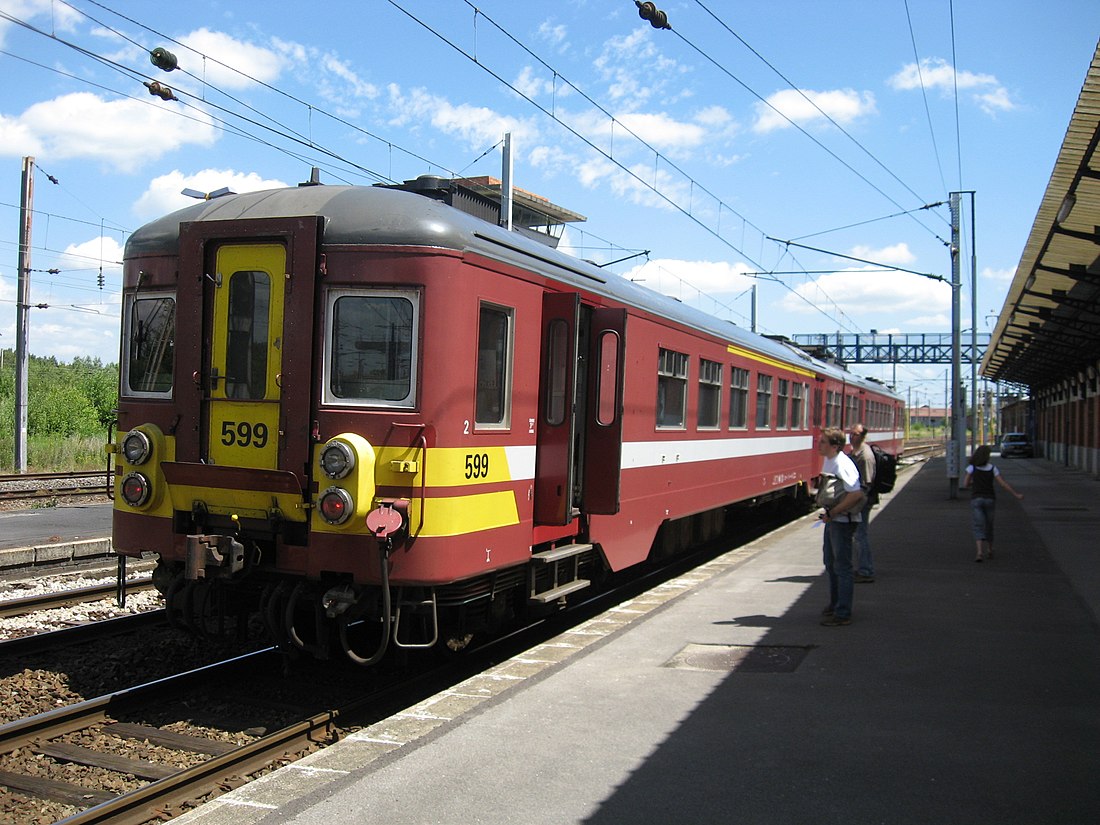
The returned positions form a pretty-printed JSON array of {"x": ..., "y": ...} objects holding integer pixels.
[{"x": 825, "y": 124}]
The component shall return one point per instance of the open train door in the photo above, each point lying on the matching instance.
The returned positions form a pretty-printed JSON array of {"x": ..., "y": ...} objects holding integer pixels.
[
  {"x": 555, "y": 445},
  {"x": 246, "y": 293},
  {"x": 604, "y": 419}
]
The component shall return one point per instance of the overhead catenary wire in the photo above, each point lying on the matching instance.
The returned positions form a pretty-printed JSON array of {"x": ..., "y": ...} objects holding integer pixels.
[
  {"x": 924, "y": 97},
  {"x": 472, "y": 57},
  {"x": 813, "y": 103}
]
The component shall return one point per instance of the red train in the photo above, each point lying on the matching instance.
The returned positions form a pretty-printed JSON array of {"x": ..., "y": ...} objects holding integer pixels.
[{"x": 377, "y": 420}]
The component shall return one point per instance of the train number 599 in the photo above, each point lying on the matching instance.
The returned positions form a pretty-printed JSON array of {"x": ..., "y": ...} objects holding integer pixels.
[
  {"x": 244, "y": 434},
  {"x": 477, "y": 466}
]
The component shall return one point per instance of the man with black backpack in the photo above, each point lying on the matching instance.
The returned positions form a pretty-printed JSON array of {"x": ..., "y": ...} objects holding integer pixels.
[{"x": 864, "y": 460}]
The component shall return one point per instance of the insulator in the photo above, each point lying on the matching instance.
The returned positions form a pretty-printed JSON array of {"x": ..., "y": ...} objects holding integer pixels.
[
  {"x": 160, "y": 90},
  {"x": 163, "y": 59},
  {"x": 649, "y": 11}
]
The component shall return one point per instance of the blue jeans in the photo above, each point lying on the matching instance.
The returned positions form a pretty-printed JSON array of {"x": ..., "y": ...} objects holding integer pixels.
[
  {"x": 981, "y": 518},
  {"x": 837, "y": 550},
  {"x": 865, "y": 566}
]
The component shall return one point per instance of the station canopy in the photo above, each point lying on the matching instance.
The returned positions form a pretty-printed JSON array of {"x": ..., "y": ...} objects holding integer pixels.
[{"x": 1049, "y": 327}]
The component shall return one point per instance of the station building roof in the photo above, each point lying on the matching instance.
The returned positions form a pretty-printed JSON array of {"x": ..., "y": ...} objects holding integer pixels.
[{"x": 1049, "y": 327}]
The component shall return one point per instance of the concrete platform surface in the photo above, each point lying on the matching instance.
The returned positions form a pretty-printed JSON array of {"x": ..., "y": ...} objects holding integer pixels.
[{"x": 961, "y": 692}]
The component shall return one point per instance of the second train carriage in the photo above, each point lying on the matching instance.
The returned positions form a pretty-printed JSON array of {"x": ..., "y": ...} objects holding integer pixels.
[{"x": 357, "y": 403}]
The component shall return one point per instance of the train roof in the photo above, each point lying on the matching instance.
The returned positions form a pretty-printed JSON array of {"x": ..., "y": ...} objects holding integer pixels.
[{"x": 367, "y": 215}]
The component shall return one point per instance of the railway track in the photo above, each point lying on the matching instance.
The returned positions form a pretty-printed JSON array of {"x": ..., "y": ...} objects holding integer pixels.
[
  {"x": 926, "y": 447},
  {"x": 24, "y": 487},
  {"x": 64, "y": 598}
]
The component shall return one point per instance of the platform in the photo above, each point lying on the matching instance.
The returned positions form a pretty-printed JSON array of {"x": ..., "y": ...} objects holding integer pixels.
[{"x": 961, "y": 692}]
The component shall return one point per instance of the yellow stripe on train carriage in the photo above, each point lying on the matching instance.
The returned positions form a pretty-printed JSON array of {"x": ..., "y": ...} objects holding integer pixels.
[
  {"x": 453, "y": 466},
  {"x": 458, "y": 515},
  {"x": 771, "y": 362}
]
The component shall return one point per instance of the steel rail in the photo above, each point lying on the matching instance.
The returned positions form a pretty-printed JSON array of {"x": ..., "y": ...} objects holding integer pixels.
[
  {"x": 63, "y": 598},
  {"x": 53, "y": 639}
]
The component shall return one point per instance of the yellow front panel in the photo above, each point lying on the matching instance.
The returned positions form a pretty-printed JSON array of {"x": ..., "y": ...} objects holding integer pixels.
[{"x": 246, "y": 356}]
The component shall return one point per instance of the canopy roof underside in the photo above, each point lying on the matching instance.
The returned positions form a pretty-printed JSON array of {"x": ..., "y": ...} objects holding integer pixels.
[{"x": 1049, "y": 326}]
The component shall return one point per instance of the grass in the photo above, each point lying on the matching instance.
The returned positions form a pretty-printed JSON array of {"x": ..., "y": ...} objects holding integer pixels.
[{"x": 55, "y": 454}]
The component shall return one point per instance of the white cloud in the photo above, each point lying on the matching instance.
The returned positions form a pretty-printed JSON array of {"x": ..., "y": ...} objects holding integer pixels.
[
  {"x": 66, "y": 332},
  {"x": 871, "y": 295},
  {"x": 637, "y": 72},
  {"x": 896, "y": 255},
  {"x": 163, "y": 194},
  {"x": 350, "y": 84},
  {"x": 807, "y": 107},
  {"x": 663, "y": 132},
  {"x": 530, "y": 84},
  {"x": 996, "y": 100},
  {"x": 479, "y": 126},
  {"x": 233, "y": 59},
  {"x": 553, "y": 34},
  {"x": 125, "y": 134},
  {"x": 103, "y": 251},
  {"x": 61, "y": 17},
  {"x": 1003, "y": 276},
  {"x": 686, "y": 280},
  {"x": 937, "y": 73}
]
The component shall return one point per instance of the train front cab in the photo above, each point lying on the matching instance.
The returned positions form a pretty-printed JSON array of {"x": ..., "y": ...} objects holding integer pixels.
[{"x": 214, "y": 443}]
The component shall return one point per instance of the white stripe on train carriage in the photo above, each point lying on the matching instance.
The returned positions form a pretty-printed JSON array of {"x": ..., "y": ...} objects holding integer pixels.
[{"x": 638, "y": 454}]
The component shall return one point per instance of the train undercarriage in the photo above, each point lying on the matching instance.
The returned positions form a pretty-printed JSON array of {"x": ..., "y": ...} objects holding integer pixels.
[{"x": 233, "y": 595}]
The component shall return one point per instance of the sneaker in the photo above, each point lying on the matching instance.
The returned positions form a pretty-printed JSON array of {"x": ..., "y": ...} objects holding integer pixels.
[
  {"x": 835, "y": 621},
  {"x": 828, "y": 611},
  {"x": 861, "y": 579}
]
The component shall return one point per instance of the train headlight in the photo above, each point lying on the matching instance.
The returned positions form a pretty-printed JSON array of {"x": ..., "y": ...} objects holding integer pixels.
[
  {"x": 337, "y": 459},
  {"x": 336, "y": 505},
  {"x": 136, "y": 447},
  {"x": 135, "y": 489}
]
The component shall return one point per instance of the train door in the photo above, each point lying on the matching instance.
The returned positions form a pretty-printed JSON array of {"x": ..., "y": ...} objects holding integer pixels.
[
  {"x": 555, "y": 450},
  {"x": 246, "y": 315},
  {"x": 245, "y": 366},
  {"x": 579, "y": 437},
  {"x": 604, "y": 421}
]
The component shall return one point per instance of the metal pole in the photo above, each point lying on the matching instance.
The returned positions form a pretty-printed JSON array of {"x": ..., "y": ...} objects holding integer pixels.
[
  {"x": 22, "y": 306},
  {"x": 754, "y": 307},
  {"x": 973, "y": 330},
  {"x": 506, "y": 184},
  {"x": 958, "y": 425}
]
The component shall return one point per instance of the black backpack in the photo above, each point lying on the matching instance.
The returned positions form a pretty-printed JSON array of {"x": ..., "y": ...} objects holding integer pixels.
[{"x": 886, "y": 471}]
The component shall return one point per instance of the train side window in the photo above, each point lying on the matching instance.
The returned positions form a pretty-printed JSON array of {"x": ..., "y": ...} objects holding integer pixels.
[
  {"x": 672, "y": 376},
  {"x": 494, "y": 368},
  {"x": 247, "y": 332},
  {"x": 782, "y": 403},
  {"x": 763, "y": 401},
  {"x": 832, "y": 408},
  {"x": 739, "y": 398},
  {"x": 851, "y": 411},
  {"x": 710, "y": 394},
  {"x": 606, "y": 406},
  {"x": 372, "y": 347},
  {"x": 149, "y": 340},
  {"x": 558, "y": 367},
  {"x": 798, "y": 406}
]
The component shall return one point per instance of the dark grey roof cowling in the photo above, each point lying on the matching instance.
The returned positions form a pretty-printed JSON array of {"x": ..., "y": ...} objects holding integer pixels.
[{"x": 363, "y": 215}]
